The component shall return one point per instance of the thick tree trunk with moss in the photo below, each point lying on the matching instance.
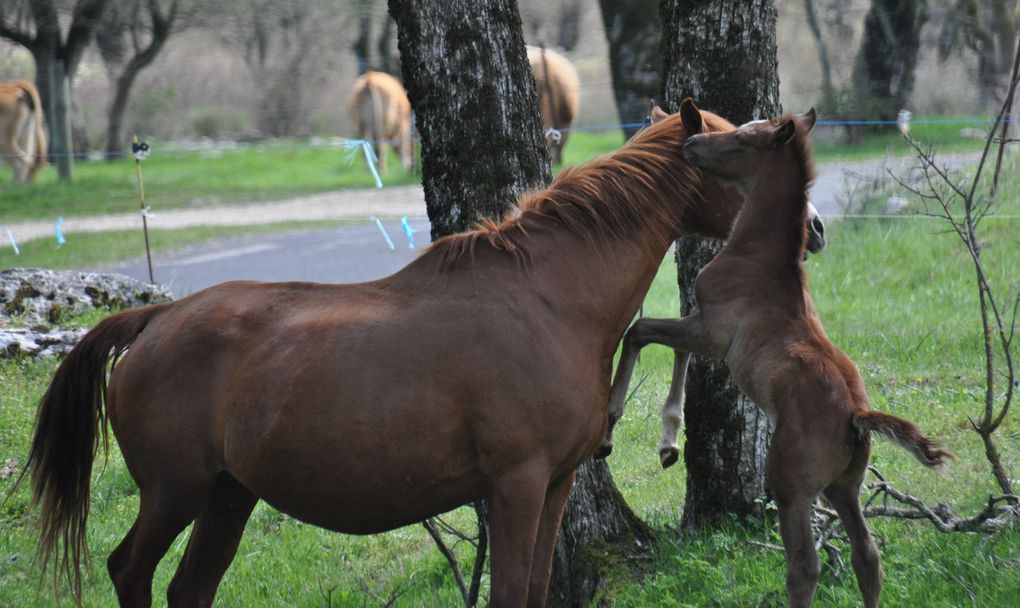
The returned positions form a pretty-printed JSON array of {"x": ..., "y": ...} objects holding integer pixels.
[
  {"x": 723, "y": 54},
  {"x": 469, "y": 82},
  {"x": 883, "y": 72},
  {"x": 633, "y": 32}
]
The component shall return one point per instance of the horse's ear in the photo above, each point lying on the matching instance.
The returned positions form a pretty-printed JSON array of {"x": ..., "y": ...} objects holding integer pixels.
[
  {"x": 690, "y": 116},
  {"x": 784, "y": 133},
  {"x": 807, "y": 120},
  {"x": 658, "y": 114}
]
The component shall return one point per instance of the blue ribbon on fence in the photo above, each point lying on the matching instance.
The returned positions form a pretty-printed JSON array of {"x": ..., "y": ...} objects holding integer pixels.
[
  {"x": 408, "y": 231},
  {"x": 58, "y": 233},
  {"x": 352, "y": 146},
  {"x": 14, "y": 244},
  {"x": 384, "y": 233}
]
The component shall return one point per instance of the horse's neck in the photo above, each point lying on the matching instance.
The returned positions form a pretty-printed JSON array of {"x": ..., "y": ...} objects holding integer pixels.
[
  {"x": 771, "y": 223},
  {"x": 601, "y": 281}
]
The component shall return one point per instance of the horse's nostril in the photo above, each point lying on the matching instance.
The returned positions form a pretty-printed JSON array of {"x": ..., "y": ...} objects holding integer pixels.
[{"x": 818, "y": 226}]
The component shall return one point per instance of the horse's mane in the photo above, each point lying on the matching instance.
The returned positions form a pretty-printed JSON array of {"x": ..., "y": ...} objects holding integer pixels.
[{"x": 599, "y": 200}]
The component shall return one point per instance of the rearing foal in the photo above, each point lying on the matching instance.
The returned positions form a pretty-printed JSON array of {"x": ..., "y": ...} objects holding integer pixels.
[
  {"x": 754, "y": 311},
  {"x": 479, "y": 370}
]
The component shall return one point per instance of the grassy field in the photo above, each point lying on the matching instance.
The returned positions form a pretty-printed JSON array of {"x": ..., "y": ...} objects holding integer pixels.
[
  {"x": 273, "y": 171},
  {"x": 897, "y": 295}
]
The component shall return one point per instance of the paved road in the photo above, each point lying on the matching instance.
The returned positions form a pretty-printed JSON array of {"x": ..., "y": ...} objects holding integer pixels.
[
  {"x": 347, "y": 254},
  {"x": 358, "y": 252}
]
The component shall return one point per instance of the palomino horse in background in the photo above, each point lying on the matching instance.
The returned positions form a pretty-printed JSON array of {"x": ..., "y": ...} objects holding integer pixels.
[
  {"x": 754, "y": 311},
  {"x": 559, "y": 95},
  {"x": 480, "y": 370},
  {"x": 381, "y": 112},
  {"x": 22, "y": 129}
]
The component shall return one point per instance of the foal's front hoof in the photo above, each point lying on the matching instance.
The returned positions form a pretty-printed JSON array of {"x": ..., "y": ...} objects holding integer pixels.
[
  {"x": 604, "y": 451},
  {"x": 669, "y": 456}
]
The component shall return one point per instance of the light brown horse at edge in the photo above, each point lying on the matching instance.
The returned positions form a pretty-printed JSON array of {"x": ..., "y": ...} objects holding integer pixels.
[
  {"x": 755, "y": 312},
  {"x": 480, "y": 370}
]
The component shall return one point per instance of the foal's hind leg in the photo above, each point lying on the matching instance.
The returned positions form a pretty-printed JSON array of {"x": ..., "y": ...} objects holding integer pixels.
[
  {"x": 133, "y": 562},
  {"x": 845, "y": 498},
  {"x": 212, "y": 544}
]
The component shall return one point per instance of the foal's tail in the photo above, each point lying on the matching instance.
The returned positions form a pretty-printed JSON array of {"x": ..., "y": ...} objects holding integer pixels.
[
  {"x": 70, "y": 419},
  {"x": 907, "y": 435}
]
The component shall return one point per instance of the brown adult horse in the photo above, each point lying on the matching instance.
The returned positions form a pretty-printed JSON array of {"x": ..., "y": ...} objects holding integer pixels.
[
  {"x": 480, "y": 370},
  {"x": 755, "y": 312}
]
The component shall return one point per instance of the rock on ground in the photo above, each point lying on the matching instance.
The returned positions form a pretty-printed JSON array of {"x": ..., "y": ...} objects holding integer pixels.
[{"x": 32, "y": 298}]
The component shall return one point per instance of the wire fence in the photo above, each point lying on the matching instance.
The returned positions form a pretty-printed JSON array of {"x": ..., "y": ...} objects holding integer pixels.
[{"x": 226, "y": 145}]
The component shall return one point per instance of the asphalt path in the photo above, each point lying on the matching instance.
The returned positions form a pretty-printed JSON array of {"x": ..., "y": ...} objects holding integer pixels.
[
  {"x": 357, "y": 251},
  {"x": 347, "y": 254}
]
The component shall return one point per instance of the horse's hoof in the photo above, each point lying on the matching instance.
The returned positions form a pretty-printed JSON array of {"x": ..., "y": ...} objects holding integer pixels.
[
  {"x": 668, "y": 457},
  {"x": 604, "y": 451}
]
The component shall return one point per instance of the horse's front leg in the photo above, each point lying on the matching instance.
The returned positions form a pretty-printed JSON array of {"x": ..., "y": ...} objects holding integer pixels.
[
  {"x": 685, "y": 335},
  {"x": 673, "y": 411}
]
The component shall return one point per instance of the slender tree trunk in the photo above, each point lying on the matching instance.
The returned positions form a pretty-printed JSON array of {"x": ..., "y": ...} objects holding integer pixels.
[
  {"x": 634, "y": 34},
  {"x": 883, "y": 72},
  {"x": 115, "y": 123},
  {"x": 723, "y": 54},
  {"x": 59, "y": 109},
  {"x": 469, "y": 82},
  {"x": 822, "y": 46}
]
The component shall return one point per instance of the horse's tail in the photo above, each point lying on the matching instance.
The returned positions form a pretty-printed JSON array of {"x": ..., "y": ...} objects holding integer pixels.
[
  {"x": 906, "y": 434},
  {"x": 69, "y": 422},
  {"x": 39, "y": 161}
]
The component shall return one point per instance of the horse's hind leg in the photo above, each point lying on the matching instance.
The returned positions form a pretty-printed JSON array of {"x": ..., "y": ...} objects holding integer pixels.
[
  {"x": 133, "y": 562},
  {"x": 845, "y": 498},
  {"x": 212, "y": 545}
]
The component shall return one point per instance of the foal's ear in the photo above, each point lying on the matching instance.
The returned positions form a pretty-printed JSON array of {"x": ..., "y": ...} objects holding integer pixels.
[
  {"x": 784, "y": 133},
  {"x": 807, "y": 120},
  {"x": 690, "y": 116},
  {"x": 658, "y": 114}
]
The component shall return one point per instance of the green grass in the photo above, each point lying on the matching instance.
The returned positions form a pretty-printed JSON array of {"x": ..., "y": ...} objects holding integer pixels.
[
  {"x": 192, "y": 179},
  {"x": 284, "y": 169},
  {"x": 830, "y": 145},
  {"x": 896, "y": 295}
]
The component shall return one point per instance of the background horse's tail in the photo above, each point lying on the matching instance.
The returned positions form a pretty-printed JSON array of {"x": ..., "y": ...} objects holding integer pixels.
[
  {"x": 906, "y": 434},
  {"x": 70, "y": 420},
  {"x": 40, "y": 152}
]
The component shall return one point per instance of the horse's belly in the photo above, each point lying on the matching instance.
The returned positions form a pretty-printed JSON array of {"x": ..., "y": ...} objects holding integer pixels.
[
  {"x": 348, "y": 484},
  {"x": 357, "y": 507}
]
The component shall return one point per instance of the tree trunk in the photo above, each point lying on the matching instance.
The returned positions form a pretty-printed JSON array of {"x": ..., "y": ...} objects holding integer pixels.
[
  {"x": 723, "y": 54},
  {"x": 469, "y": 82},
  {"x": 468, "y": 79},
  {"x": 883, "y": 72},
  {"x": 633, "y": 32},
  {"x": 828, "y": 101},
  {"x": 59, "y": 109},
  {"x": 599, "y": 535}
]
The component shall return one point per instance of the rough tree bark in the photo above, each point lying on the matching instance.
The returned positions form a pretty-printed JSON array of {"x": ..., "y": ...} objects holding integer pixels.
[
  {"x": 634, "y": 33},
  {"x": 883, "y": 72},
  {"x": 723, "y": 54},
  {"x": 56, "y": 60},
  {"x": 467, "y": 76}
]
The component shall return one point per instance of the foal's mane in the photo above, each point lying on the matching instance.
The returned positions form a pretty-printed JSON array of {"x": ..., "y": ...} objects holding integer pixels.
[
  {"x": 800, "y": 148},
  {"x": 601, "y": 200}
]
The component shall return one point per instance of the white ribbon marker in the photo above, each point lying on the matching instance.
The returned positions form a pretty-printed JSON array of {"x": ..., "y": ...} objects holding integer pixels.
[{"x": 384, "y": 234}]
